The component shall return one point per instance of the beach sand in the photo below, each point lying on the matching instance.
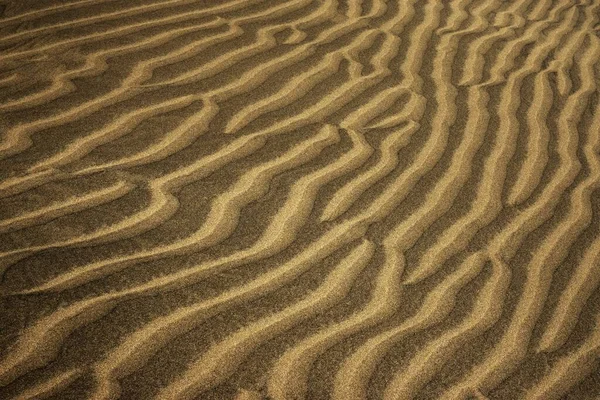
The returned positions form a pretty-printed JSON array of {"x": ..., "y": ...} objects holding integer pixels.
[{"x": 299, "y": 199}]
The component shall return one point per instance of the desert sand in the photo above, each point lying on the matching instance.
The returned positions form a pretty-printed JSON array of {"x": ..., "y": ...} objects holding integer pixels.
[{"x": 299, "y": 199}]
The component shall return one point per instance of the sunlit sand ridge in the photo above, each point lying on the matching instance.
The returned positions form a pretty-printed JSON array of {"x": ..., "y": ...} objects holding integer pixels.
[{"x": 300, "y": 199}]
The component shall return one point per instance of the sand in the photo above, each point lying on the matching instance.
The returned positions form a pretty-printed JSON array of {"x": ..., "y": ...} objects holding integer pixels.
[{"x": 299, "y": 199}]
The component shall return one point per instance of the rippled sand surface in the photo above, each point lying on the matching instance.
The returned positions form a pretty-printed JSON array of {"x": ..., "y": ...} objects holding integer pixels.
[{"x": 299, "y": 199}]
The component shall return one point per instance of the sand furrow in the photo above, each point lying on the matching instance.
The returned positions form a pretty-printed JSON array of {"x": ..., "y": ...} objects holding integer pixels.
[
  {"x": 510, "y": 350},
  {"x": 295, "y": 89},
  {"x": 486, "y": 204},
  {"x": 377, "y": 105},
  {"x": 42, "y": 12},
  {"x": 565, "y": 57},
  {"x": 66, "y": 207},
  {"x": 19, "y": 138},
  {"x": 536, "y": 154},
  {"x": 184, "y": 134},
  {"x": 120, "y": 127},
  {"x": 583, "y": 280},
  {"x": 439, "y": 199},
  {"x": 158, "y": 151},
  {"x": 280, "y": 234},
  {"x": 265, "y": 41},
  {"x": 28, "y": 55},
  {"x": 352, "y": 379},
  {"x": 428, "y": 361},
  {"x": 219, "y": 223},
  {"x": 56, "y": 89},
  {"x": 474, "y": 64},
  {"x": 15, "y": 185},
  {"x": 352, "y": 121},
  {"x": 162, "y": 203},
  {"x": 340, "y": 234},
  {"x": 50, "y": 387},
  {"x": 351, "y": 385},
  {"x": 448, "y": 186},
  {"x": 507, "y": 58},
  {"x": 53, "y": 329},
  {"x": 361, "y": 83},
  {"x": 189, "y": 131},
  {"x": 23, "y": 35},
  {"x": 135, "y": 350},
  {"x": 299, "y": 199},
  {"x": 569, "y": 370},
  {"x": 507, "y": 241},
  {"x": 94, "y": 65},
  {"x": 572, "y": 300},
  {"x": 10, "y": 79},
  {"x": 328, "y": 104},
  {"x": 393, "y": 266},
  {"x": 384, "y": 300},
  {"x": 221, "y": 359},
  {"x": 541, "y": 8},
  {"x": 27, "y": 354},
  {"x": 347, "y": 195},
  {"x": 380, "y": 103}
]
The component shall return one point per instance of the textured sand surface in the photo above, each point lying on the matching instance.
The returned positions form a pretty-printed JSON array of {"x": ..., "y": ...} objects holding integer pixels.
[{"x": 299, "y": 199}]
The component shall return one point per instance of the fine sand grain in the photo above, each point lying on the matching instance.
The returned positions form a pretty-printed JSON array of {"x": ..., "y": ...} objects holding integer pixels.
[{"x": 299, "y": 199}]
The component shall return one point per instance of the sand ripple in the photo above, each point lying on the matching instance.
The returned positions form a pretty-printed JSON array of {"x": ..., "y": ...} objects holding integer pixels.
[{"x": 300, "y": 199}]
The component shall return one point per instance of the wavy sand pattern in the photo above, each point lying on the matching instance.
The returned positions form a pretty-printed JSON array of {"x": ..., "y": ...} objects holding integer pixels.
[{"x": 300, "y": 199}]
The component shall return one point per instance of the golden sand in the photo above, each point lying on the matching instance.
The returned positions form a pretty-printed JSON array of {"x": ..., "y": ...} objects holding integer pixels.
[{"x": 299, "y": 199}]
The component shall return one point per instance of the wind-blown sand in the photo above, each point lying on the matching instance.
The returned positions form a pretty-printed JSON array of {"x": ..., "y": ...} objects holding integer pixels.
[{"x": 299, "y": 199}]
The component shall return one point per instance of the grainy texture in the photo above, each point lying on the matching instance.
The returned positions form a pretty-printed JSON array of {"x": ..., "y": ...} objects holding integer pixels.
[{"x": 299, "y": 199}]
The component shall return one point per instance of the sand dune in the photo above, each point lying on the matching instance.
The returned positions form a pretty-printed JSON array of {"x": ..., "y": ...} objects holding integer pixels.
[{"x": 304, "y": 199}]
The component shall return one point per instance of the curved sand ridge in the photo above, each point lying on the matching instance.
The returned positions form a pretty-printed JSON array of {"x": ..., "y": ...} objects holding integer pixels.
[{"x": 304, "y": 199}]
